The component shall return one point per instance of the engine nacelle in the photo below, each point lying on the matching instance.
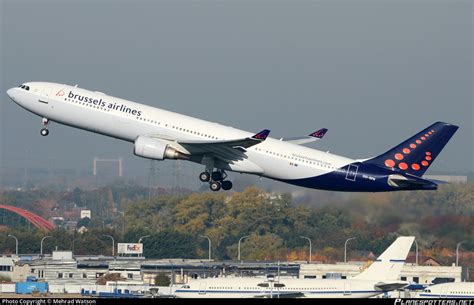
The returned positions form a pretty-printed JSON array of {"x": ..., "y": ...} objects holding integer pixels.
[{"x": 155, "y": 149}]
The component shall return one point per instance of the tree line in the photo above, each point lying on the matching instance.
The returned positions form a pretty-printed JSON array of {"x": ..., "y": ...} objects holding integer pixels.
[{"x": 271, "y": 223}]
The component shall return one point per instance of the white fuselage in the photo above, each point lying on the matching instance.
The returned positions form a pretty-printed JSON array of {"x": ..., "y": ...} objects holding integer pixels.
[
  {"x": 127, "y": 120},
  {"x": 463, "y": 290},
  {"x": 382, "y": 275},
  {"x": 259, "y": 287}
]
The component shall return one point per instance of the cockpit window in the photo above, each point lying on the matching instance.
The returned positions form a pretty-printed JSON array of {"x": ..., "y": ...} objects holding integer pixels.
[{"x": 27, "y": 88}]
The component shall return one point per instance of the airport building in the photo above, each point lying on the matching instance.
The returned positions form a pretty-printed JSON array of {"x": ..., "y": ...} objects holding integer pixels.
[{"x": 66, "y": 273}]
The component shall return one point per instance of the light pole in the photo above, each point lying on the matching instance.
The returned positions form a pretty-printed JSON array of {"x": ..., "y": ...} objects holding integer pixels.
[
  {"x": 416, "y": 253},
  {"x": 345, "y": 248},
  {"x": 16, "y": 243},
  {"x": 73, "y": 242},
  {"x": 140, "y": 240},
  {"x": 309, "y": 246},
  {"x": 41, "y": 244},
  {"x": 113, "y": 243},
  {"x": 457, "y": 251},
  {"x": 209, "y": 240},
  {"x": 240, "y": 240}
]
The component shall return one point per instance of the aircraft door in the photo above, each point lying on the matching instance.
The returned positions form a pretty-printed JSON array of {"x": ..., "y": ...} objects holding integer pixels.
[
  {"x": 202, "y": 288},
  {"x": 44, "y": 101},
  {"x": 347, "y": 289},
  {"x": 352, "y": 172}
]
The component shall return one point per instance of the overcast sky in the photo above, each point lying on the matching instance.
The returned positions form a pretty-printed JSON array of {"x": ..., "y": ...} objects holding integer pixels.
[{"x": 372, "y": 72}]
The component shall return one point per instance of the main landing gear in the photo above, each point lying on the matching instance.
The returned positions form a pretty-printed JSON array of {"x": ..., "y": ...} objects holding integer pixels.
[
  {"x": 216, "y": 180},
  {"x": 44, "y": 131}
]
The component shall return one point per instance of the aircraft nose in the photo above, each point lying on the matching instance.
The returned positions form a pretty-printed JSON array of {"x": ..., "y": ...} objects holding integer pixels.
[{"x": 11, "y": 93}]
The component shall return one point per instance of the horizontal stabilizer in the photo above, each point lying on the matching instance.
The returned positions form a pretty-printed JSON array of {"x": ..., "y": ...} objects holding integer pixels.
[{"x": 411, "y": 182}]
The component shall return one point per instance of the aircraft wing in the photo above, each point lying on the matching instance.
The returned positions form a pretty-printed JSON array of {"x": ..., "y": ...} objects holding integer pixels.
[
  {"x": 227, "y": 151},
  {"x": 208, "y": 146},
  {"x": 279, "y": 294},
  {"x": 389, "y": 286},
  {"x": 312, "y": 137}
]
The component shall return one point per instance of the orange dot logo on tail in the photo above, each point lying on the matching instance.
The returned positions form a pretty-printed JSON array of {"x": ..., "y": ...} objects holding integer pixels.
[
  {"x": 415, "y": 166},
  {"x": 403, "y": 166},
  {"x": 428, "y": 158},
  {"x": 424, "y": 163},
  {"x": 418, "y": 142},
  {"x": 428, "y": 153},
  {"x": 389, "y": 163},
  {"x": 399, "y": 156},
  {"x": 423, "y": 138},
  {"x": 412, "y": 146},
  {"x": 406, "y": 151}
]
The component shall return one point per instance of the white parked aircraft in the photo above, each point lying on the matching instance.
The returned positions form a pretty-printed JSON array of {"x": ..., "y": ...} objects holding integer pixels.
[
  {"x": 381, "y": 276},
  {"x": 159, "y": 134},
  {"x": 463, "y": 290}
]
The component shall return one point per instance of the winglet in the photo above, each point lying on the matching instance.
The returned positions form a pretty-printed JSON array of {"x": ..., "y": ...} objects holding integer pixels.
[
  {"x": 262, "y": 135},
  {"x": 319, "y": 134}
]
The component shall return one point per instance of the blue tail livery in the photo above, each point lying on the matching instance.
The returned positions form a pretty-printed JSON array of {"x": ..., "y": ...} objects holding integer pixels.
[
  {"x": 415, "y": 155},
  {"x": 399, "y": 169}
]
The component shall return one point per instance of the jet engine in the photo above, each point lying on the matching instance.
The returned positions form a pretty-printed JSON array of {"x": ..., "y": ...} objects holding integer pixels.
[{"x": 156, "y": 149}]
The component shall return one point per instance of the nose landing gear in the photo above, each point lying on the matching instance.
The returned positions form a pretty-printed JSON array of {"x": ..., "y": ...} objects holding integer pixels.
[{"x": 44, "y": 131}]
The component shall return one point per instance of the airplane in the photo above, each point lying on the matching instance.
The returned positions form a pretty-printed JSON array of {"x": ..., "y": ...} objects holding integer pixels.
[
  {"x": 462, "y": 290},
  {"x": 380, "y": 277},
  {"x": 159, "y": 134}
]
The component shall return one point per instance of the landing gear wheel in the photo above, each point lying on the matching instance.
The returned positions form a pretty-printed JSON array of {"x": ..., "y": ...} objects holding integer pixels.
[
  {"x": 226, "y": 185},
  {"x": 204, "y": 176},
  {"x": 215, "y": 186},
  {"x": 44, "y": 132},
  {"x": 217, "y": 176}
]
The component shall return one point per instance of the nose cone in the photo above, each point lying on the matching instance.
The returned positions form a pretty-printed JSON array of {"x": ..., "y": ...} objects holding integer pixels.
[
  {"x": 10, "y": 92},
  {"x": 13, "y": 94}
]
